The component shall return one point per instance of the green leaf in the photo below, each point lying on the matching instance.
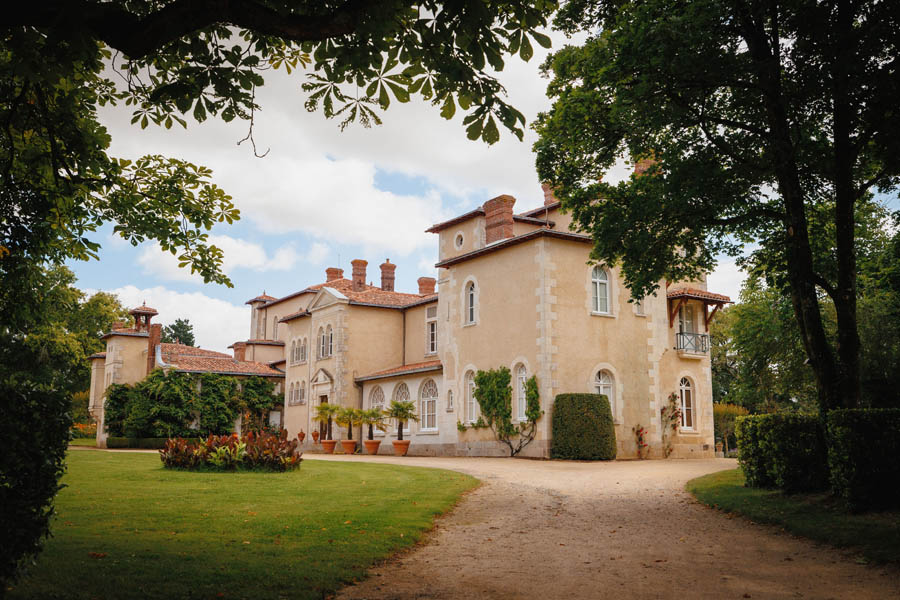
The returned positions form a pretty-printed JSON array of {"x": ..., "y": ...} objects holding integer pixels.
[
  {"x": 473, "y": 131},
  {"x": 449, "y": 108},
  {"x": 490, "y": 133},
  {"x": 541, "y": 39},
  {"x": 526, "y": 51}
]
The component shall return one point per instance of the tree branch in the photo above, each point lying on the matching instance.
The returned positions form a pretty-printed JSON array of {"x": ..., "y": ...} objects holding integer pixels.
[{"x": 136, "y": 36}]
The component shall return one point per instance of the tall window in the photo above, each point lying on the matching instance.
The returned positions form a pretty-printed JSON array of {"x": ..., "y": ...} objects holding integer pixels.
[
  {"x": 294, "y": 352},
  {"x": 301, "y": 393},
  {"x": 376, "y": 398},
  {"x": 521, "y": 377},
  {"x": 428, "y": 408},
  {"x": 686, "y": 319},
  {"x": 639, "y": 307},
  {"x": 291, "y": 394},
  {"x": 687, "y": 403},
  {"x": 449, "y": 400},
  {"x": 605, "y": 384},
  {"x": 431, "y": 330},
  {"x": 401, "y": 393},
  {"x": 600, "y": 290},
  {"x": 303, "y": 350},
  {"x": 275, "y": 328},
  {"x": 329, "y": 333},
  {"x": 323, "y": 343},
  {"x": 470, "y": 302},
  {"x": 471, "y": 402}
]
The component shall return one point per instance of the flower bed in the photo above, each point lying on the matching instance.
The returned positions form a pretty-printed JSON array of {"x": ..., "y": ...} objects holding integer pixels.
[
  {"x": 84, "y": 430},
  {"x": 262, "y": 451}
]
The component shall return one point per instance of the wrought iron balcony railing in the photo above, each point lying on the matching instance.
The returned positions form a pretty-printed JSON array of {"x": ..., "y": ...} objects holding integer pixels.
[{"x": 697, "y": 343}]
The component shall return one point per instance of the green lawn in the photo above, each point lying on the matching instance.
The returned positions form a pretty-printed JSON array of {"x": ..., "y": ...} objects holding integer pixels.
[
  {"x": 83, "y": 442},
  {"x": 876, "y": 536},
  {"x": 126, "y": 527}
]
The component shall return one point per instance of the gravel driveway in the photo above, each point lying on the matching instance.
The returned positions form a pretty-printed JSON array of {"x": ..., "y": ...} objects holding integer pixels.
[{"x": 547, "y": 529}]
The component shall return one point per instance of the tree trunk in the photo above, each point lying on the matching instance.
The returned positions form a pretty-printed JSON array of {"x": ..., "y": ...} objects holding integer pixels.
[
  {"x": 349, "y": 432},
  {"x": 328, "y": 429},
  {"x": 371, "y": 433},
  {"x": 400, "y": 431}
]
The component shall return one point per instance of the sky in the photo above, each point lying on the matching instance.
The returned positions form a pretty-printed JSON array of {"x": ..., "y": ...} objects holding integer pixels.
[{"x": 322, "y": 197}]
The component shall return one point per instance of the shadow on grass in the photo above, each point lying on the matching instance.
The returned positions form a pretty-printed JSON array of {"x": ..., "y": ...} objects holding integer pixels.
[{"x": 816, "y": 516}]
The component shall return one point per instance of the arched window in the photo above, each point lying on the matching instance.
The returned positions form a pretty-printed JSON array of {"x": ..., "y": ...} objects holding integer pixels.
[
  {"x": 293, "y": 352},
  {"x": 428, "y": 407},
  {"x": 401, "y": 393},
  {"x": 471, "y": 403},
  {"x": 600, "y": 290},
  {"x": 329, "y": 333},
  {"x": 521, "y": 377},
  {"x": 686, "y": 391},
  {"x": 301, "y": 393},
  {"x": 322, "y": 343},
  {"x": 470, "y": 302},
  {"x": 303, "y": 350},
  {"x": 376, "y": 398},
  {"x": 605, "y": 384}
]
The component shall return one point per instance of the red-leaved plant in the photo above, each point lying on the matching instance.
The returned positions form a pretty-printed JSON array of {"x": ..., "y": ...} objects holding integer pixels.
[{"x": 264, "y": 451}]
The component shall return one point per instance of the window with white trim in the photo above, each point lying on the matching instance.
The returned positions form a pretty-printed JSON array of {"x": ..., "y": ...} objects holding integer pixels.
[
  {"x": 401, "y": 393},
  {"x": 449, "y": 400},
  {"x": 322, "y": 343},
  {"x": 431, "y": 330},
  {"x": 686, "y": 392},
  {"x": 470, "y": 303},
  {"x": 605, "y": 383},
  {"x": 471, "y": 402},
  {"x": 329, "y": 333},
  {"x": 376, "y": 398},
  {"x": 639, "y": 307},
  {"x": 291, "y": 394},
  {"x": 600, "y": 291},
  {"x": 302, "y": 350},
  {"x": 293, "y": 352},
  {"x": 428, "y": 405},
  {"x": 686, "y": 319},
  {"x": 521, "y": 378},
  {"x": 301, "y": 393}
]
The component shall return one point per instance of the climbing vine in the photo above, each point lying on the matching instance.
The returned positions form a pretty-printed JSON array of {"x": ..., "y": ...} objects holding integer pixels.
[
  {"x": 670, "y": 414},
  {"x": 494, "y": 395},
  {"x": 639, "y": 434}
]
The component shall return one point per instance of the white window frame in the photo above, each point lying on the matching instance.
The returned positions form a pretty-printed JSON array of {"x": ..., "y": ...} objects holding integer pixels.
[
  {"x": 301, "y": 392},
  {"x": 686, "y": 322},
  {"x": 303, "y": 348},
  {"x": 471, "y": 402},
  {"x": 431, "y": 336},
  {"x": 428, "y": 406},
  {"x": 291, "y": 395},
  {"x": 471, "y": 303},
  {"x": 329, "y": 333},
  {"x": 639, "y": 308},
  {"x": 605, "y": 380},
  {"x": 395, "y": 395},
  {"x": 377, "y": 401},
  {"x": 449, "y": 400},
  {"x": 521, "y": 375},
  {"x": 686, "y": 385},
  {"x": 321, "y": 343},
  {"x": 600, "y": 282}
]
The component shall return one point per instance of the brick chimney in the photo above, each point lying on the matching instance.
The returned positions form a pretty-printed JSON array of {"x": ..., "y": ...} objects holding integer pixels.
[
  {"x": 426, "y": 285},
  {"x": 498, "y": 218},
  {"x": 240, "y": 351},
  {"x": 359, "y": 274},
  {"x": 333, "y": 274},
  {"x": 549, "y": 196},
  {"x": 152, "y": 343},
  {"x": 387, "y": 275}
]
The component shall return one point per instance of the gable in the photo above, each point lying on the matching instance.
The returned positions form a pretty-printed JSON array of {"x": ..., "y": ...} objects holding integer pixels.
[{"x": 326, "y": 297}]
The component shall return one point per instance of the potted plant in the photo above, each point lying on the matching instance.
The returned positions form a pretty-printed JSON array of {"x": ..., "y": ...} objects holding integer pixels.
[
  {"x": 374, "y": 417},
  {"x": 402, "y": 413},
  {"x": 325, "y": 414},
  {"x": 349, "y": 418}
]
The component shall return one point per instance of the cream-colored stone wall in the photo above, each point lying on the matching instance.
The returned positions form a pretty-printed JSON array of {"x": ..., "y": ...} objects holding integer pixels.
[
  {"x": 125, "y": 363},
  {"x": 297, "y": 416},
  {"x": 472, "y": 232},
  {"x": 417, "y": 334},
  {"x": 264, "y": 353},
  {"x": 98, "y": 386}
]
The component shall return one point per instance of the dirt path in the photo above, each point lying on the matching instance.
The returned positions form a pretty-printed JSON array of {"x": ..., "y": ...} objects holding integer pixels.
[{"x": 540, "y": 529}]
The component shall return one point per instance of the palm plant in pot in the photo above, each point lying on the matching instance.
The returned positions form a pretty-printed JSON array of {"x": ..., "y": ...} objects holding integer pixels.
[
  {"x": 401, "y": 412},
  {"x": 372, "y": 418},
  {"x": 325, "y": 414},
  {"x": 349, "y": 418}
]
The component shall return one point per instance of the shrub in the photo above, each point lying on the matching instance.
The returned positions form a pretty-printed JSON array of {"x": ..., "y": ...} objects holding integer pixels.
[
  {"x": 863, "y": 445},
  {"x": 84, "y": 430},
  {"x": 262, "y": 451},
  {"x": 583, "y": 428},
  {"x": 724, "y": 416},
  {"x": 145, "y": 443},
  {"x": 785, "y": 450}
]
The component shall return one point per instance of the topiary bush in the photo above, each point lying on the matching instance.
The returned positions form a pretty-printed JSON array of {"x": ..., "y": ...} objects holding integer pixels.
[
  {"x": 863, "y": 446},
  {"x": 785, "y": 450},
  {"x": 583, "y": 428}
]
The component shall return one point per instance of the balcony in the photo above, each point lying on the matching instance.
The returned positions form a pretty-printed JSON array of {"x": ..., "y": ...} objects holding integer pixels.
[{"x": 692, "y": 345}]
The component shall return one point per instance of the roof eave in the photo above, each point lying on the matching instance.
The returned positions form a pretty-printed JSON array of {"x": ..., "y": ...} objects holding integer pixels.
[{"x": 399, "y": 373}]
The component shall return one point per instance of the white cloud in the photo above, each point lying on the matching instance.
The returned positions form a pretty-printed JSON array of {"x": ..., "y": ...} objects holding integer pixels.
[
  {"x": 726, "y": 279},
  {"x": 238, "y": 254},
  {"x": 217, "y": 323}
]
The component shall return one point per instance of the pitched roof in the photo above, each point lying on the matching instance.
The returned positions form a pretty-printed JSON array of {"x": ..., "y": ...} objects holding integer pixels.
[
  {"x": 97, "y": 355},
  {"x": 525, "y": 237},
  {"x": 264, "y": 297},
  {"x": 370, "y": 295},
  {"x": 292, "y": 316},
  {"x": 128, "y": 331},
  {"x": 143, "y": 310},
  {"x": 188, "y": 359},
  {"x": 697, "y": 295},
  {"x": 526, "y": 217},
  {"x": 420, "y": 367}
]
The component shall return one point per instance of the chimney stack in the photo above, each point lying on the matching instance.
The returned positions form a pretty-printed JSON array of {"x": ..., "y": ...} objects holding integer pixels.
[
  {"x": 240, "y": 351},
  {"x": 426, "y": 286},
  {"x": 359, "y": 274},
  {"x": 333, "y": 274},
  {"x": 152, "y": 343},
  {"x": 498, "y": 218},
  {"x": 387, "y": 275},
  {"x": 549, "y": 196}
]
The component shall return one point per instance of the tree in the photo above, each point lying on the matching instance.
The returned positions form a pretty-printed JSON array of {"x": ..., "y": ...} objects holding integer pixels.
[
  {"x": 751, "y": 121},
  {"x": 401, "y": 411},
  {"x": 181, "y": 332},
  {"x": 494, "y": 395}
]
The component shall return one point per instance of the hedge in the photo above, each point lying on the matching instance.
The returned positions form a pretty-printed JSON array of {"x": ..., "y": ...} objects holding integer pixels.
[
  {"x": 864, "y": 445},
  {"x": 147, "y": 443},
  {"x": 785, "y": 450},
  {"x": 583, "y": 428}
]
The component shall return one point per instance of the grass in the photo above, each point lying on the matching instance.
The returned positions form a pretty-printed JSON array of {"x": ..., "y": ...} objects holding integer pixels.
[
  {"x": 876, "y": 536},
  {"x": 126, "y": 527},
  {"x": 92, "y": 442}
]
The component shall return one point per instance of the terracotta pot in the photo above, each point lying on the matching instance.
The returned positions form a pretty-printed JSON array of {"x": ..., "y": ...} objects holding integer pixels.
[
  {"x": 401, "y": 447},
  {"x": 328, "y": 446},
  {"x": 301, "y": 436},
  {"x": 349, "y": 446},
  {"x": 371, "y": 446},
  {"x": 315, "y": 435}
]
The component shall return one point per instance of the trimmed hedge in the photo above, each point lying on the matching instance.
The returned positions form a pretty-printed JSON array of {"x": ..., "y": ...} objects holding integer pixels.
[
  {"x": 785, "y": 450},
  {"x": 583, "y": 428},
  {"x": 146, "y": 443},
  {"x": 864, "y": 445}
]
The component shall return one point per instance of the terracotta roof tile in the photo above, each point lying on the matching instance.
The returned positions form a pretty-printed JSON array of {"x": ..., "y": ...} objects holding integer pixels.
[
  {"x": 428, "y": 365},
  {"x": 143, "y": 310},
  {"x": 199, "y": 360},
  {"x": 261, "y": 298},
  {"x": 371, "y": 295},
  {"x": 292, "y": 316},
  {"x": 697, "y": 294}
]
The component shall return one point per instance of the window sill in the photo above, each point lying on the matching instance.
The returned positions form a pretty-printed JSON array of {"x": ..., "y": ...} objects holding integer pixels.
[
  {"x": 641, "y": 315},
  {"x": 325, "y": 357},
  {"x": 685, "y": 431},
  {"x": 431, "y": 353},
  {"x": 599, "y": 314},
  {"x": 449, "y": 409},
  {"x": 428, "y": 432},
  {"x": 470, "y": 324}
]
